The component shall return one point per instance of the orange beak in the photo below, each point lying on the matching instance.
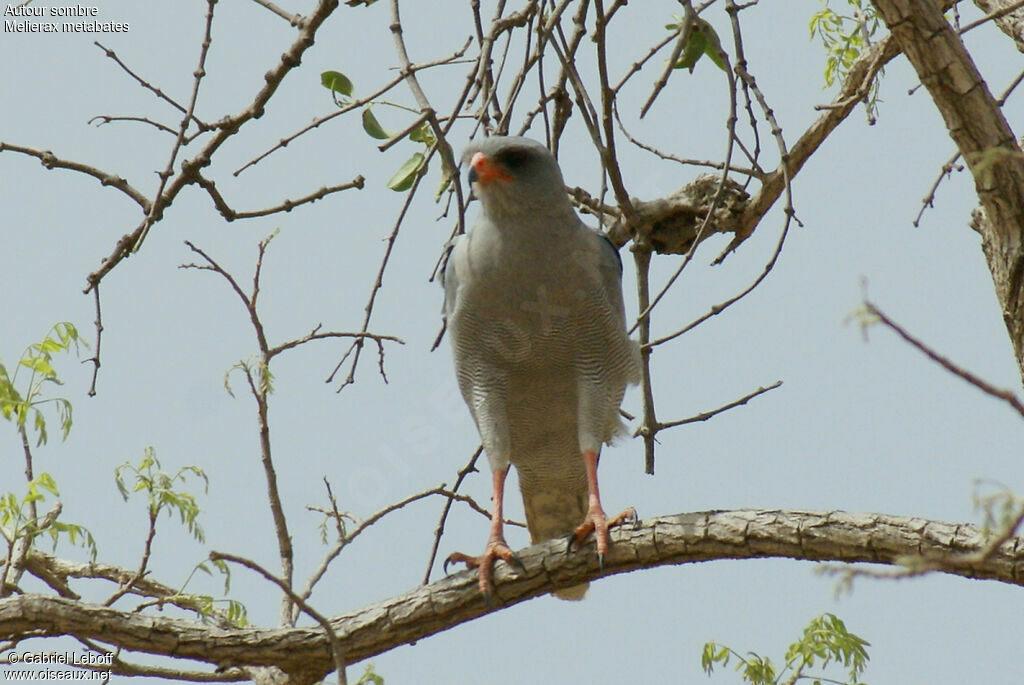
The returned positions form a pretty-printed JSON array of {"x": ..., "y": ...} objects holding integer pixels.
[{"x": 484, "y": 169}]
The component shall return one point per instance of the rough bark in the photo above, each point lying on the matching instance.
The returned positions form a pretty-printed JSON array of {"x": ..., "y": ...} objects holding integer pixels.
[
  {"x": 1010, "y": 22},
  {"x": 304, "y": 653},
  {"x": 977, "y": 126}
]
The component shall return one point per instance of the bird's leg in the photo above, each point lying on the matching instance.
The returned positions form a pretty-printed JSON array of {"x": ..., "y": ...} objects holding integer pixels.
[
  {"x": 596, "y": 521},
  {"x": 496, "y": 546}
]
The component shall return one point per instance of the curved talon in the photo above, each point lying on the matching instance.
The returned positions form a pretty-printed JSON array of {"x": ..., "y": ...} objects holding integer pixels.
[
  {"x": 597, "y": 523},
  {"x": 568, "y": 543},
  {"x": 496, "y": 549},
  {"x": 459, "y": 558},
  {"x": 514, "y": 560}
]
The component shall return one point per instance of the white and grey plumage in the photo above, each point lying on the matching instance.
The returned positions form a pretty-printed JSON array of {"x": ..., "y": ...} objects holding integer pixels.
[{"x": 533, "y": 303}]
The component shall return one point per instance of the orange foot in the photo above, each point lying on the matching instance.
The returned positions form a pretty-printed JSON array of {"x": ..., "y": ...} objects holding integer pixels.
[
  {"x": 495, "y": 549},
  {"x": 597, "y": 523}
]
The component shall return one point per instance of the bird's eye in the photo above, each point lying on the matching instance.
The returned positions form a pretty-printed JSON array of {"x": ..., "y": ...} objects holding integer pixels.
[{"x": 512, "y": 159}]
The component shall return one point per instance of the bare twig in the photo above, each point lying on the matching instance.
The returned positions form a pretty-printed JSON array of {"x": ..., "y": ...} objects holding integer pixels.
[
  {"x": 157, "y": 209},
  {"x": 718, "y": 308},
  {"x": 354, "y": 104},
  {"x": 682, "y": 35},
  {"x": 1017, "y": 80},
  {"x": 853, "y": 89},
  {"x": 19, "y": 546},
  {"x": 356, "y": 348},
  {"x": 408, "y": 72},
  {"x": 387, "y": 144},
  {"x": 648, "y": 428},
  {"x": 226, "y": 128},
  {"x": 704, "y": 416},
  {"x": 51, "y": 161},
  {"x": 286, "y": 206},
  {"x": 929, "y": 200},
  {"x": 755, "y": 172},
  {"x": 871, "y": 314},
  {"x": 150, "y": 87},
  {"x": 106, "y": 119},
  {"x": 1001, "y": 12},
  {"x": 731, "y": 138},
  {"x": 609, "y": 157},
  {"x": 346, "y": 539},
  {"x": 469, "y": 468},
  {"x": 147, "y": 548},
  {"x": 564, "y": 49},
  {"x": 639, "y": 64},
  {"x": 316, "y": 334},
  {"x": 950, "y": 164},
  {"x": 260, "y": 390},
  {"x": 293, "y": 19},
  {"x": 95, "y": 359},
  {"x": 336, "y": 648},
  {"x": 449, "y": 169}
]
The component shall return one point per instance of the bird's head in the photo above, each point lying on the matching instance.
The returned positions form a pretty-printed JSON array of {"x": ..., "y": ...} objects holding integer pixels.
[{"x": 513, "y": 176}]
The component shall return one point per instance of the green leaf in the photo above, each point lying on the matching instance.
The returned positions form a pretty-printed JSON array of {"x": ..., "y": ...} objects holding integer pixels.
[
  {"x": 446, "y": 181},
  {"x": 64, "y": 412},
  {"x": 825, "y": 642},
  {"x": 47, "y": 483},
  {"x": 238, "y": 616},
  {"x": 337, "y": 82},
  {"x": 695, "y": 47},
  {"x": 703, "y": 41},
  {"x": 40, "y": 426},
  {"x": 373, "y": 127},
  {"x": 816, "y": 18},
  {"x": 370, "y": 676},
  {"x": 844, "y": 38},
  {"x": 265, "y": 379},
  {"x": 38, "y": 364},
  {"x": 67, "y": 332},
  {"x": 38, "y": 357},
  {"x": 713, "y": 48},
  {"x": 423, "y": 134},
  {"x": 406, "y": 174},
  {"x": 758, "y": 670},
  {"x": 159, "y": 487}
]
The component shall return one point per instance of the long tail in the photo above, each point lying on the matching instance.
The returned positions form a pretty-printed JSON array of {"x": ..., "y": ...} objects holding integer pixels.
[{"x": 553, "y": 510}]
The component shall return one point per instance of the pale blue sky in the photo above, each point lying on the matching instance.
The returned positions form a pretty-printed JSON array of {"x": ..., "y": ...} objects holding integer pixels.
[{"x": 861, "y": 427}]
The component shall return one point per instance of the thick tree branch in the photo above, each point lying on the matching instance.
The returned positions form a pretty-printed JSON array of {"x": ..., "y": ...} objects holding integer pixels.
[
  {"x": 305, "y": 652},
  {"x": 57, "y": 573},
  {"x": 854, "y": 89},
  {"x": 977, "y": 126}
]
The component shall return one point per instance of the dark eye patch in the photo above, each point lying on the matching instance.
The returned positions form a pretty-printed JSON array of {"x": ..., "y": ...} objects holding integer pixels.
[{"x": 513, "y": 159}]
